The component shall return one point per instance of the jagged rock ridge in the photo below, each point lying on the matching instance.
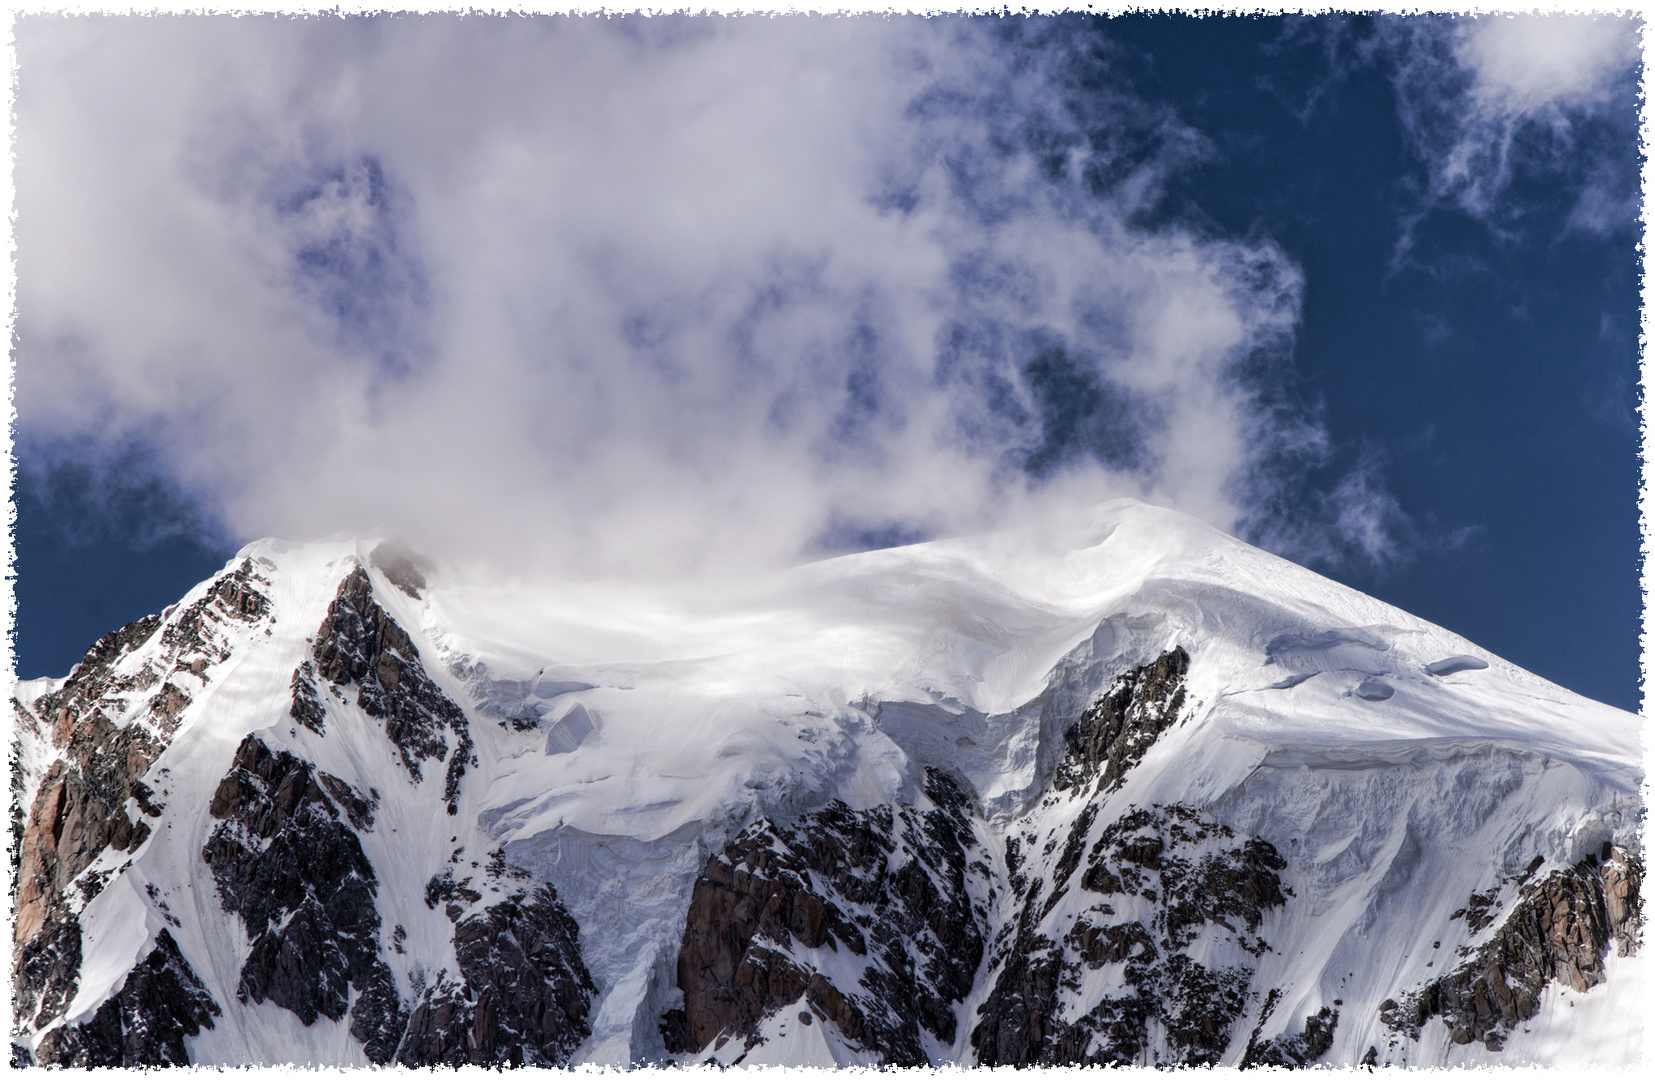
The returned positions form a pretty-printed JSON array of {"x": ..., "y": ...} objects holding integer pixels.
[
  {"x": 1173, "y": 939},
  {"x": 1178, "y": 889},
  {"x": 1112, "y": 735},
  {"x": 359, "y": 644},
  {"x": 106, "y": 725},
  {"x": 287, "y": 858},
  {"x": 144, "y": 1023},
  {"x": 1180, "y": 893}
]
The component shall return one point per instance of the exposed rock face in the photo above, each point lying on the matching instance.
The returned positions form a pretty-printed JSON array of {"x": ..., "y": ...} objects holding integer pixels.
[
  {"x": 360, "y": 644},
  {"x": 288, "y": 860},
  {"x": 143, "y": 1023},
  {"x": 1177, "y": 888},
  {"x": 1560, "y": 928},
  {"x": 107, "y": 724},
  {"x": 46, "y": 968},
  {"x": 1158, "y": 969},
  {"x": 889, "y": 890},
  {"x": 307, "y": 706},
  {"x": 1113, "y": 734},
  {"x": 1170, "y": 941},
  {"x": 1296, "y": 1050},
  {"x": 80, "y": 809},
  {"x": 524, "y": 994},
  {"x": 1169, "y": 946},
  {"x": 1622, "y": 877},
  {"x": 237, "y": 596},
  {"x": 26, "y": 723},
  {"x": 286, "y": 856}
]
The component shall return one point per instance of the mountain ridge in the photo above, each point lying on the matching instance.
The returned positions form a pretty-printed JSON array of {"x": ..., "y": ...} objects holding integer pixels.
[{"x": 1119, "y": 711}]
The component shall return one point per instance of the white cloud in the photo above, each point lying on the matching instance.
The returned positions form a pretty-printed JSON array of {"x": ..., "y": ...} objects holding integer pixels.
[
  {"x": 624, "y": 295},
  {"x": 1526, "y": 64},
  {"x": 1487, "y": 99}
]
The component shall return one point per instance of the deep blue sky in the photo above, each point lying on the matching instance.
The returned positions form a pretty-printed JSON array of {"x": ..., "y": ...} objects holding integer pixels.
[{"x": 1488, "y": 377}]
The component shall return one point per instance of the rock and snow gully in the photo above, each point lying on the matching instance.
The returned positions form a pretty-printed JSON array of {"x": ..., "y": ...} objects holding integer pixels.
[{"x": 1128, "y": 791}]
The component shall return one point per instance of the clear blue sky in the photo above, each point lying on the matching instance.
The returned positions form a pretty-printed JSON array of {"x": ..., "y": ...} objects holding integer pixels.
[{"x": 1426, "y": 228}]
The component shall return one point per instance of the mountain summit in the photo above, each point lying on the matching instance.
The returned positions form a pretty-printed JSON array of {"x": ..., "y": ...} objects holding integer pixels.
[{"x": 1135, "y": 793}]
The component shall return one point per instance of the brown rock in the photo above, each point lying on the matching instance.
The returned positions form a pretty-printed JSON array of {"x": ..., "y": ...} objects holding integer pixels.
[
  {"x": 777, "y": 892},
  {"x": 1558, "y": 929}
]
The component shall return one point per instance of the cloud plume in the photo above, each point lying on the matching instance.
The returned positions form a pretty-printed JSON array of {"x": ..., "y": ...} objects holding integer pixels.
[{"x": 631, "y": 295}]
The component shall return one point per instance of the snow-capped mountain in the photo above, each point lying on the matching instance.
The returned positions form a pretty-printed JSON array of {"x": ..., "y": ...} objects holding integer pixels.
[{"x": 1128, "y": 792}]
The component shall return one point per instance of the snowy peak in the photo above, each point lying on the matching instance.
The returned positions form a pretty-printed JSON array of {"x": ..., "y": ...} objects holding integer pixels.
[{"x": 1125, "y": 791}]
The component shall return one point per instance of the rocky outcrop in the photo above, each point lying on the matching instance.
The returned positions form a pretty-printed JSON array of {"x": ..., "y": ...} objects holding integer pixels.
[
  {"x": 46, "y": 968},
  {"x": 1296, "y": 1050},
  {"x": 1174, "y": 884},
  {"x": 307, "y": 707},
  {"x": 80, "y": 808},
  {"x": 887, "y": 890},
  {"x": 144, "y": 1023},
  {"x": 287, "y": 859},
  {"x": 27, "y": 726},
  {"x": 107, "y": 724},
  {"x": 1112, "y": 735},
  {"x": 1176, "y": 888},
  {"x": 360, "y": 645},
  {"x": 899, "y": 895},
  {"x": 234, "y": 596},
  {"x": 1622, "y": 878},
  {"x": 523, "y": 993},
  {"x": 1559, "y": 928},
  {"x": 86, "y": 803}
]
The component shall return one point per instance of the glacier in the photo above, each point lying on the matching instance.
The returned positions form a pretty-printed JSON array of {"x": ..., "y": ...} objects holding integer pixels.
[{"x": 1182, "y": 801}]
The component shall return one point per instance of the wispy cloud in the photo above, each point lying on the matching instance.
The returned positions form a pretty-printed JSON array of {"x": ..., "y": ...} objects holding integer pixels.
[
  {"x": 642, "y": 296},
  {"x": 1494, "y": 101}
]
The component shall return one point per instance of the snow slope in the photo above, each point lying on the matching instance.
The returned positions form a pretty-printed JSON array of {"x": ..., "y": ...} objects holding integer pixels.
[{"x": 624, "y": 735}]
